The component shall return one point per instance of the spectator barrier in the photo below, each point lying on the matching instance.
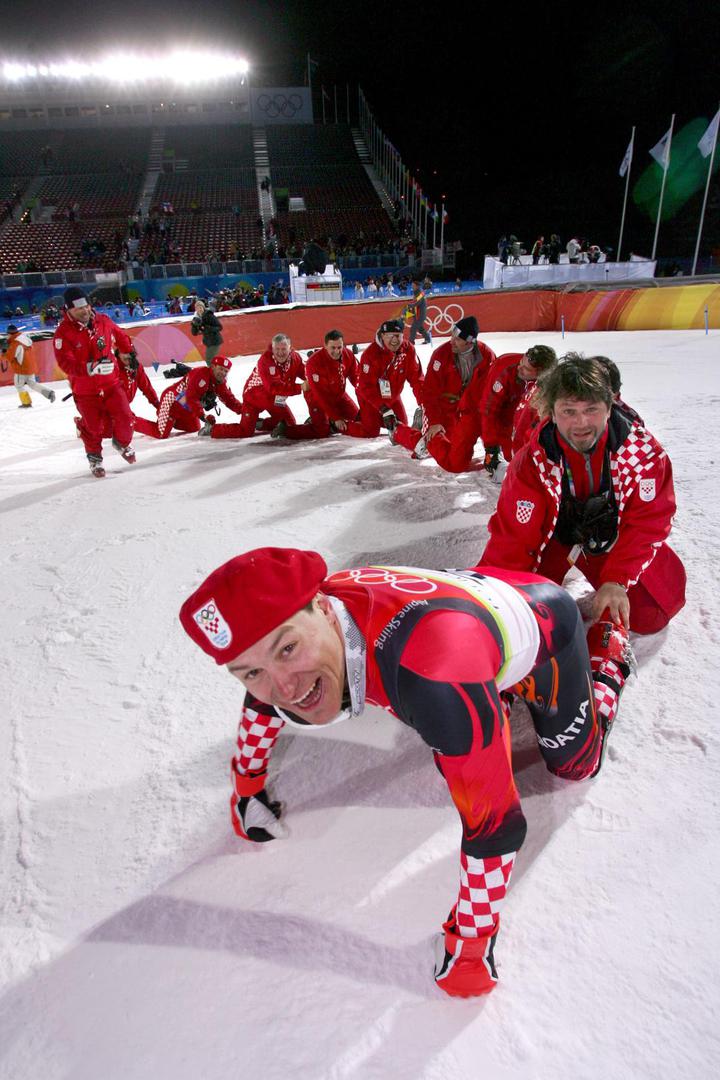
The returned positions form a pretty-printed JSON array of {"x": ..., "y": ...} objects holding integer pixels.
[{"x": 672, "y": 308}]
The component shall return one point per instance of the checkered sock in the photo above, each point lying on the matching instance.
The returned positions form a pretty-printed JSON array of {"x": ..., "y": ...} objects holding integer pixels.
[
  {"x": 483, "y": 884},
  {"x": 608, "y": 680}
]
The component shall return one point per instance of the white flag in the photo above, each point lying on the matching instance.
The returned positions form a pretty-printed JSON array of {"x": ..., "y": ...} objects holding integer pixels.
[
  {"x": 626, "y": 161},
  {"x": 661, "y": 150},
  {"x": 707, "y": 142}
]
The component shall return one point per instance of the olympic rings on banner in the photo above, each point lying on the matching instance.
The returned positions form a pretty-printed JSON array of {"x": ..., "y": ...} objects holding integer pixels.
[
  {"x": 280, "y": 105},
  {"x": 443, "y": 320}
]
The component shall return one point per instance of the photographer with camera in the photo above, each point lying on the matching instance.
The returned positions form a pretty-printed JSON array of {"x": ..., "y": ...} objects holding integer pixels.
[
  {"x": 87, "y": 346},
  {"x": 206, "y": 322}
]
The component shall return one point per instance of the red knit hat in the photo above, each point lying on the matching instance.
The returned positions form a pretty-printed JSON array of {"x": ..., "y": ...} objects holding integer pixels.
[
  {"x": 221, "y": 361},
  {"x": 247, "y": 597}
]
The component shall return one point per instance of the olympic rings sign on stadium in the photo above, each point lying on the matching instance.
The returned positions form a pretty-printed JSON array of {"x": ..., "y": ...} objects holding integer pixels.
[
  {"x": 443, "y": 320},
  {"x": 286, "y": 105}
]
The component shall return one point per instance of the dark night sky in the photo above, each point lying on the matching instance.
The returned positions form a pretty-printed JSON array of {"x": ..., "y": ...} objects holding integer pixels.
[{"x": 521, "y": 120}]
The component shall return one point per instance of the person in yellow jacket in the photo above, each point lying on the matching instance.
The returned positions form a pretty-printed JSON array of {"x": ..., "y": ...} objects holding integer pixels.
[{"x": 20, "y": 356}]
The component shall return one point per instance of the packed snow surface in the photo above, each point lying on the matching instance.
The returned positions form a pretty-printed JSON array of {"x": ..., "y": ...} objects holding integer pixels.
[{"x": 141, "y": 939}]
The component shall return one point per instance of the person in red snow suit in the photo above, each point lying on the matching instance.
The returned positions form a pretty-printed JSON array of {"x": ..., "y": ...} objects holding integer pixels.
[
  {"x": 527, "y": 417},
  {"x": 452, "y": 394},
  {"x": 327, "y": 371},
  {"x": 184, "y": 404},
  {"x": 507, "y": 383},
  {"x": 278, "y": 375},
  {"x": 593, "y": 489},
  {"x": 85, "y": 345},
  {"x": 133, "y": 377},
  {"x": 444, "y": 651},
  {"x": 384, "y": 368}
]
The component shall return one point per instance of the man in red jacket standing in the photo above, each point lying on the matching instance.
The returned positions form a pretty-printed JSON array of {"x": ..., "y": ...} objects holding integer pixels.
[
  {"x": 133, "y": 377},
  {"x": 444, "y": 652},
  {"x": 452, "y": 396},
  {"x": 85, "y": 345},
  {"x": 593, "y": 489},
  {"x": 278, "y": 375},
  {"x": 327, "y": 371},
  {"x": 508, "y": 382},
  {"x": 384, "y": 368}
]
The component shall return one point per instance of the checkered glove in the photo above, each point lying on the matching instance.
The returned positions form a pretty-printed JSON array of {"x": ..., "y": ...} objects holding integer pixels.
[
  {"x": 254, "y": 816},
  {"x": 105, "y": 366}
]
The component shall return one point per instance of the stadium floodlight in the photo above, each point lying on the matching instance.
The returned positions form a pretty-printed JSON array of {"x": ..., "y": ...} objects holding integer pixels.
[{"x": 180, "y": 67}]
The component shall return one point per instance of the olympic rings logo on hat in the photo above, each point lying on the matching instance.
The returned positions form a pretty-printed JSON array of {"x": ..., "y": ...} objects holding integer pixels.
[{"x": 213, "y": 625}]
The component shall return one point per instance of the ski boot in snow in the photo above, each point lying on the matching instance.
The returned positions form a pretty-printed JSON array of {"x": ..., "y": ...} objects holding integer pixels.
[
  {"x": 96, "y": 465},
  {"x": 465, "y": 967},
  {"x": 611, "y": 661},
  {"x": 126, "y": 452},
  {"x": 279, "y": 431}
]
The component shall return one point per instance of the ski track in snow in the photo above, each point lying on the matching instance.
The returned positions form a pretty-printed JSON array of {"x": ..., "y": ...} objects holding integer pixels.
[{"x": 140, "y": 939}]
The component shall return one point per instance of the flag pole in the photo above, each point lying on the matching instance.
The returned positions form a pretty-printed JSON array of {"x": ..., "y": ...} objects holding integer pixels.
[
  {"x": 442, "y": 234},
  {"x": 707, "y": 188},
  {"x": 662, "y": 186},
  {"x": 627, "y": 185}
]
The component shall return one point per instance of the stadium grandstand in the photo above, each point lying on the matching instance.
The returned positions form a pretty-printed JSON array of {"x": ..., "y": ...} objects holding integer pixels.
[{"x": 103, "y": 178}]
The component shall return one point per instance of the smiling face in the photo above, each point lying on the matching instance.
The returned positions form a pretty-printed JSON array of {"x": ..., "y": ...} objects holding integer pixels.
[
  {"x": 83, "y": 314},
  {"x": 335, "y": 347},
  {"x": 392, "y": 340},
  {"x": 580, "y": 422},
  {"x": 299, "y": 666},
  {"x": 281, "y": 350}
]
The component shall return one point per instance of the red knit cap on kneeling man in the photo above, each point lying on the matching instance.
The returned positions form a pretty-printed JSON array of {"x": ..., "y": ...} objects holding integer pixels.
[{"x": 247, "y": 597}]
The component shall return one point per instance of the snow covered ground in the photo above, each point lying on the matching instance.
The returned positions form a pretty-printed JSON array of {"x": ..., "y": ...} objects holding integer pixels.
[{"x": 140, "y": 939}]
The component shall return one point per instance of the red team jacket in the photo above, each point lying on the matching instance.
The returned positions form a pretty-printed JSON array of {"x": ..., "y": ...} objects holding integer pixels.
[
  {"x": 76, "y": 345},
  {"x": 328, "y": 378},
  {"x": 503, "y": 393},
  {"x": 529, "y": 502},
  {"x": 269, "y": 379},
  {"x": 444, "y": 400},
  {"x": 398, "y": 368}
]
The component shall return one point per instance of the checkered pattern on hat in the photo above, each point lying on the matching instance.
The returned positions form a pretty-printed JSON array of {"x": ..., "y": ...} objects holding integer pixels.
[
  {"x": 257, "y": 734},
  {"x": 483, "y": 884}
]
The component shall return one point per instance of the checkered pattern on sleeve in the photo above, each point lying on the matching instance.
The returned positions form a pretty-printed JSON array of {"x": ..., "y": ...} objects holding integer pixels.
[
  {"x": 257, "y": 734},
  {"x": 254, "y": 379},
  {"x": 483, "y": 884},
  {"x": 551, "y": 476}
]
